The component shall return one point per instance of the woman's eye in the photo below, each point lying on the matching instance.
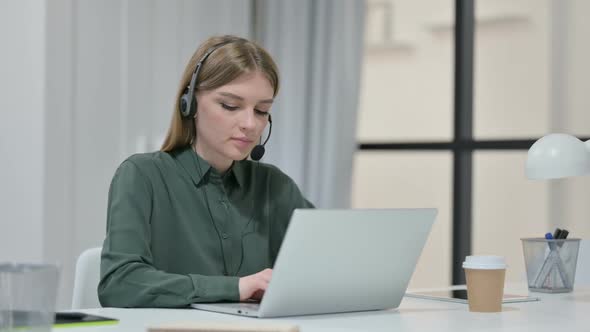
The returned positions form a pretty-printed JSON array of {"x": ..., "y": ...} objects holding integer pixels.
[
  {"x": 259, "y": 112},
  {"x": 228, "y": 107}
]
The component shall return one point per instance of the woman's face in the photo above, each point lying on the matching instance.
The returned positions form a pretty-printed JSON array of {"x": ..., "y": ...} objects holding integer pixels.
[{"x": 231, "y": 118}]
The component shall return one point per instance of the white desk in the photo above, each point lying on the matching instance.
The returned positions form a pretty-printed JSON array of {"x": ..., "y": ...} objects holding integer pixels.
[{"x": 554, "y": 313}]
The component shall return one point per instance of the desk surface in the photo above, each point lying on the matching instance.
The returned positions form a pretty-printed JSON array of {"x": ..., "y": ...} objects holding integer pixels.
[{"x": 555, "y": 312}]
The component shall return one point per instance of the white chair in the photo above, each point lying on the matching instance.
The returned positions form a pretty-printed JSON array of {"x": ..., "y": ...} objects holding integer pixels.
[
  {"x": 86, "y": 280},
  {"x": 583, "y": 268}
]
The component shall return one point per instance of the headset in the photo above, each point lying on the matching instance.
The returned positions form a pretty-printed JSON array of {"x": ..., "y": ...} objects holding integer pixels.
[{"x": 188, "y": 102}]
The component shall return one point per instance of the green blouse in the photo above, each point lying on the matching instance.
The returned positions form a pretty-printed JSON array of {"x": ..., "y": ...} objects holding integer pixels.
[{"x": 178, "y": 232}]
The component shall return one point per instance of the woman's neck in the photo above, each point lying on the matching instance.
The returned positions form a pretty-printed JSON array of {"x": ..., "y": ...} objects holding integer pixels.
[{"x": 217, "y": 161}]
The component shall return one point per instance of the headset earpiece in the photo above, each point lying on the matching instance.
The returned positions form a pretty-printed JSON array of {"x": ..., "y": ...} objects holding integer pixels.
[
  {"x": 185, "y": 108},
  {"x": 187, "y": 103}
]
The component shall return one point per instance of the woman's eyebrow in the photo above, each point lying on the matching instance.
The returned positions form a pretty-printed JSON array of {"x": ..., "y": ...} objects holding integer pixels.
[{"x": 231, "y": 95}]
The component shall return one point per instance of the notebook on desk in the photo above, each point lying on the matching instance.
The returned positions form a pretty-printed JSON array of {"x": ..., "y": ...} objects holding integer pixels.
[
  {"x": 459, "y": 295},
  {"x": 334, "y": 261},
  {"x": 76, "y": 318},
  {"x": 21, "y": 319}
]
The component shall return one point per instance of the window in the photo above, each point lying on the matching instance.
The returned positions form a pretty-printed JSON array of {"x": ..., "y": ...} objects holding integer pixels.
[{"x": 447, "y": 116}]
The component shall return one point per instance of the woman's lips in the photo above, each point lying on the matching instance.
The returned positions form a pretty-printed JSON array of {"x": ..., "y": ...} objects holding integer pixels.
[{"x": 242, "y": 142}]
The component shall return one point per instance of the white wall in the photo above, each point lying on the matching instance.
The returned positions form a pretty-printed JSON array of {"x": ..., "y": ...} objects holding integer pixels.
[
  {"x": 576, "y": 110},
  {"x": 22, "y": 116}
]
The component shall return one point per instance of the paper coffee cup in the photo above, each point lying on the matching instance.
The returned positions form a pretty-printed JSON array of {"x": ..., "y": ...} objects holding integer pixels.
[{"x": 485, "y": 282}]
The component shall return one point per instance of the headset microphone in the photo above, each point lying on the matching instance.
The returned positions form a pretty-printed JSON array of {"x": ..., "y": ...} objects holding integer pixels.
[{"x": 258, "y": 151}]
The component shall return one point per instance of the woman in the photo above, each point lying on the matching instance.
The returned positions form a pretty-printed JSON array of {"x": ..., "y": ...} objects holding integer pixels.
[{"x": 196, "y": 221}]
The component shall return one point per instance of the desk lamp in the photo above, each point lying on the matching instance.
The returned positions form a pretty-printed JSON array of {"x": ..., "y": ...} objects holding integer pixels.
[{"x": 558, "y": 156}]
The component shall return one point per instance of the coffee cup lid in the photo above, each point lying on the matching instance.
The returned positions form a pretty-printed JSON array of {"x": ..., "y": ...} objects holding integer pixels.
[{"x": 484, "y": 262}]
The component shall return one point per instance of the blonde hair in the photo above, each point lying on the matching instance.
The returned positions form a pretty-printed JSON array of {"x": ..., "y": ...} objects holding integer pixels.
[{"x": 236, "y": 56}]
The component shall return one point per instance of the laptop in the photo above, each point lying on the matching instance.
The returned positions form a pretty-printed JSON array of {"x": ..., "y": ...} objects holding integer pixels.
[{"x": 334, "y": 261}]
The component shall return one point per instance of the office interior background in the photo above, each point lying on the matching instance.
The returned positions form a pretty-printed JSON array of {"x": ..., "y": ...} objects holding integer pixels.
[{"x": 366, "y": 117}]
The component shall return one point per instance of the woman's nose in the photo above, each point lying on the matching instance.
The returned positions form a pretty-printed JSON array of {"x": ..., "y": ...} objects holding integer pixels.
[{"x": 248, "y": 120}]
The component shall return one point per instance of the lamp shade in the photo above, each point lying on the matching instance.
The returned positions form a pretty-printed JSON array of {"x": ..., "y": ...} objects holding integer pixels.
[{"x": 556, "y": 156}]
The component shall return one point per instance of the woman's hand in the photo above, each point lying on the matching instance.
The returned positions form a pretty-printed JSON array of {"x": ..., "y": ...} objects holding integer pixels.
[{"x": 254, "y": 285}]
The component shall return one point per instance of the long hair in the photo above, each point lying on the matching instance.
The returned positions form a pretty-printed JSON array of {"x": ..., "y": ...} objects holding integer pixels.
[{"x": 236, "y": 57}]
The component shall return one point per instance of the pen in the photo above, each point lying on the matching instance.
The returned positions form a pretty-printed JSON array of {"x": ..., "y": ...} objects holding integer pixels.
[
  {"x": 542, "y": 274},
  {"x": 553, "y": 260},
  {"x": 549, "y": 236},
  {"x": 562, "y": 236},
  {"x": 560, "y": 266},
  {"x": 557, "y": 233}
]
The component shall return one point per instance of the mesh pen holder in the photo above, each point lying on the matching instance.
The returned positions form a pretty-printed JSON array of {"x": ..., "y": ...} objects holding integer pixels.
[{"x": 550, "y": 264}]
